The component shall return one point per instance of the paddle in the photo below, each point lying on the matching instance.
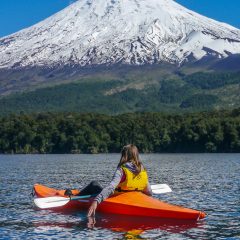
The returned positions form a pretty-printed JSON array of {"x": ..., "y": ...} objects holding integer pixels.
[
  {"x": 51, "y": 202},
  {"x": 160, "y": 188}
]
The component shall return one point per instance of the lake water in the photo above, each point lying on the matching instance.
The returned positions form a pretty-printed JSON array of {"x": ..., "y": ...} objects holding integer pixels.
[{"x": 208, "y": 182}]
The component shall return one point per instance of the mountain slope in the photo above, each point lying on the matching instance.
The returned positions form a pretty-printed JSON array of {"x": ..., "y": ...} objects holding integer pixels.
[
  {"x": 106, "y": 32},
  {"x": 195, "y": 92}
]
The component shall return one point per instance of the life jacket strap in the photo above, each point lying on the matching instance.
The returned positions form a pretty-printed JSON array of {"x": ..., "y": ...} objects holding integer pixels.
[{"x": 121, "y": 190}]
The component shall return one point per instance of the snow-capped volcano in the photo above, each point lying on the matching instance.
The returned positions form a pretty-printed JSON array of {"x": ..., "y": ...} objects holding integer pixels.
[{"x": 96, "y": 32}]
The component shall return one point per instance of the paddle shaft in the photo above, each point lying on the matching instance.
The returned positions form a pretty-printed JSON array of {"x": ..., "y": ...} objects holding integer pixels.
[{"x": 72, "y": 198}]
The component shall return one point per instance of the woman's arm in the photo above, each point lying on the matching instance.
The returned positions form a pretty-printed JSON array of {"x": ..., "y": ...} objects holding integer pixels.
[{"x": 106, "y": 192}]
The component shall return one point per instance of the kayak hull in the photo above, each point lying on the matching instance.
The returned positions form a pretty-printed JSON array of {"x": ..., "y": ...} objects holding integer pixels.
[{"x": 128, "y": 203}]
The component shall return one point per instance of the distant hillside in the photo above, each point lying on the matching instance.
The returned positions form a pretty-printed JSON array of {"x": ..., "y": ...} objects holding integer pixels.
[{"x": 138, "y": 91}]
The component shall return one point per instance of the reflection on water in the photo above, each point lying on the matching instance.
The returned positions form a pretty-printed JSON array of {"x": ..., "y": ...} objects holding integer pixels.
[
  {"x": 129, "y": 226},
  {"x": 208, "y": 182}
]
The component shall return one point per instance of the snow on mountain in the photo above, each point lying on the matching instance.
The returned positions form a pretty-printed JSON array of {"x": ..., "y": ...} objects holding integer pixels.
[{"x": 96, "y": 32}]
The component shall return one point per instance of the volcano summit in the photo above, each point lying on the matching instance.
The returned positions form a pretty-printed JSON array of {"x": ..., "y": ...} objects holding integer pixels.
[{"x": 108, "y": 32}]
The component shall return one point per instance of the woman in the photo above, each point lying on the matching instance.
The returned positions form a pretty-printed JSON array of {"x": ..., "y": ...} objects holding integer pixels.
[{"x": 129, "y": 176}]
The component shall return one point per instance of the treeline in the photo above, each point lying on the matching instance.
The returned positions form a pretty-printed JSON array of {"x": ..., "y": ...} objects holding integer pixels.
[{"x": 217, "y": 131}]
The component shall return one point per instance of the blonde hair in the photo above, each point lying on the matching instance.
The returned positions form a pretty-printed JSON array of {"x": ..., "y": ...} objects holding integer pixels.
[{"x": 130, "y": 154}]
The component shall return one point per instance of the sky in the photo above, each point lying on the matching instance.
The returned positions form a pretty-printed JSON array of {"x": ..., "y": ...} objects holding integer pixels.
[{"x": 18, "y": 14}]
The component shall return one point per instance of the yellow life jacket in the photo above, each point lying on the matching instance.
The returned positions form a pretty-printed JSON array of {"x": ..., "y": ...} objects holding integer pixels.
[{"x": 133, "y": 182}]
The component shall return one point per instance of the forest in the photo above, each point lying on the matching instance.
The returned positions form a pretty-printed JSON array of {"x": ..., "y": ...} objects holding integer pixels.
[
  {"x": 195, "y": 92},
  {"x": 215, "y": 131}
]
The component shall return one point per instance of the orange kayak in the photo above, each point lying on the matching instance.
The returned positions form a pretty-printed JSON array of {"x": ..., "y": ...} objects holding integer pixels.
[{"x": 128, "y": 203}]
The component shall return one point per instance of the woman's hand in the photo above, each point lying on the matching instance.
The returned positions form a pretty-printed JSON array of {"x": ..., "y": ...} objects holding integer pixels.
[
  {"x": 92, "y": 209},
  {"x": 91, "y": 222}
]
